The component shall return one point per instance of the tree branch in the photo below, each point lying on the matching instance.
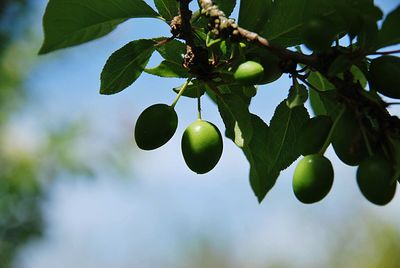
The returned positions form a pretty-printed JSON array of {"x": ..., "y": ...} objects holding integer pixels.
[
  {"x": 212, "y": 11},
  {"x": 186, "y": 27}
]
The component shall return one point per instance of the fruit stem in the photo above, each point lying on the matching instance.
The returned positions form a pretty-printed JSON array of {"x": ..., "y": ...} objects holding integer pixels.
[
  {"x": 198, "y": 104},
  {"x": 181, "y": 92},
  {"x": 328, "y": 139}
]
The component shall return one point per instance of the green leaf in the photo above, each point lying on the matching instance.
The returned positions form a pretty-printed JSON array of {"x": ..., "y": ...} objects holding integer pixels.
[
  {"x": 168, "y": 9},
  {"x": 172, "y": 51},
  {"x": 298, "y": 95},
  {"x": 353, "y": 14},
  {"x": 261, "y": 179},
  {"x": 236, "y": 116},
  {"x": 368, "y": 36},
  {"x": 332, "y": 106},
  {"x": 316, "y": 104},
  {"x": 253, "y": 14},
  {"x": 287, "y": 18},
  {"x": 194, "y": 89},
  {"x": 211, "y": 95},
  {"x": 68, "y": 23},
  {"x": 125, "y": 66},
  {"x": 284, "y": 131},
  {"x": 359, "y": 76},
  {"x": 168, "y": 69},
  {"x": 226, "y": 6},
  {"x": 390, "y": 32},
  {"x": 318, "y": 81}
]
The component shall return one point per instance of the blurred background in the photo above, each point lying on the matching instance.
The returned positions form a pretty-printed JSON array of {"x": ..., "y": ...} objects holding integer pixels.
[{"x": 75, "y": 191}]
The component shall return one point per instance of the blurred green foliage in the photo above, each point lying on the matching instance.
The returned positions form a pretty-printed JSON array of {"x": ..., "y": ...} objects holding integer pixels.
[
  {"x": 20, "y": 190},
  {"x": 23, "y": 171}
]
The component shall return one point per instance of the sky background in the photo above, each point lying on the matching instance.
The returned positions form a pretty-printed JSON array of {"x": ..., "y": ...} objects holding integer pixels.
[{"x": 158, "y": 213}]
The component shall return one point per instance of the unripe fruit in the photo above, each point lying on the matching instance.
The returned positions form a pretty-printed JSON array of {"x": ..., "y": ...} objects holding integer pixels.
[
  {"x": 269, "y": 62},
  {"x": 348, "y": 141},
  {"x": 318, "y": 34},
  {"x": 312, "y": 179},
  {"x": 155, "y": 126},
  {"x": 249, "y": 73},
  {"x": 384, "y": 76},
  {"x": 201, "y": 146},
  {"x": 314, "y": 134},
  {"x": 374, "y": 178}
]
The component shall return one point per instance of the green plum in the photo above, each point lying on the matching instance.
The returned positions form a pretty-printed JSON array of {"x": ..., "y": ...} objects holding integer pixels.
[
  {"x": 201, "y": 146},
  {"x": 249, "y": 73},
  {"x": 318, "y": 34},
  {"x": 312, "y": 179},
  {"x": 314, "y": 134},
  {"x": 384, "y": 76},
  {"x": 348, "y": 141},
  {"x": 155, "y": 126},
  {"x": 375, "y": 180},
  {"x": 269, "y": 62}
]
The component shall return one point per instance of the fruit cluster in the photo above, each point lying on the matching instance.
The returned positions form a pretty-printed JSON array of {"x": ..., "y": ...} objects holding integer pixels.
[
  {"x": 313, "y": 176},
  {"x": 357, "y": 134},
  {"x": 201, "y": 142}
]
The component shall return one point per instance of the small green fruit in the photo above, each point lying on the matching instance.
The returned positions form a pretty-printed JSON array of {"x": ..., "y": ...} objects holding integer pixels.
[
  {"x": 384, "y": 76},
  {"x": 318, "y": 34},
  {"x": 269, "y": 62},
  {"x": 312, "y": 179},
  {"x": 348, "y": 141},
  {"x": 201, "y": 146},
  {"x": 375, "y": 180},
  {"x": 314, "y": 134},
  {"x": 155, "y": 126},
  {"x": 249, "y": 73}
]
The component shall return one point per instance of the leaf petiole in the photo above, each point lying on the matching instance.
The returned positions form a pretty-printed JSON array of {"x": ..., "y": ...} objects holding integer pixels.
[
  {"x": 328, "y": 139},
  {"x": 181, "y": 92}
]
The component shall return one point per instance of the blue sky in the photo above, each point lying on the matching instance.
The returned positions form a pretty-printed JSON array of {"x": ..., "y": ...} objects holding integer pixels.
[{"x": 151, "y": 217}]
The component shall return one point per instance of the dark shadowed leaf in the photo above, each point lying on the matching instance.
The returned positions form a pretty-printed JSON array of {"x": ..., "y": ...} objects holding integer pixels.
[
  {"x": 253, "y": 14},
  {"x": 339, "y": 65},
  {"x": 226, "y": 6},
  {"x": 390, "y": 32},
  {"x": 287, "y": 18},
  {"x": 72, "y": 22},
  {"x": 125, "y": 66}
]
